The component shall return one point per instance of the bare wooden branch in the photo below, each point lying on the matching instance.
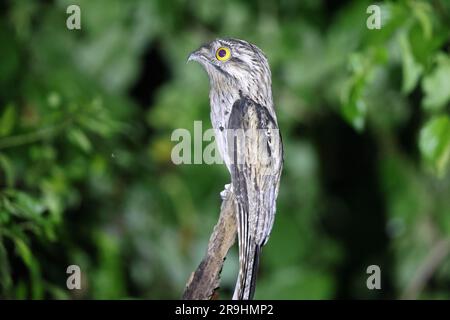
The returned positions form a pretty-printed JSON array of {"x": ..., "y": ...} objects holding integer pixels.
[
  {"x": 426, "y": 270},
  {"x": 206, "y": 279}
]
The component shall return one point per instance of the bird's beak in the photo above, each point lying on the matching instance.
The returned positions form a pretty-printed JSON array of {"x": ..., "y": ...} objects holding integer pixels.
[
  {"x": 193, "y": 56},
  {"x": 198, "y": 55}
]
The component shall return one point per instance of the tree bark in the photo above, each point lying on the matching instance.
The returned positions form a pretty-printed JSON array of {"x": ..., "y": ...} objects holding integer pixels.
[{"x": 204, "y": 281}]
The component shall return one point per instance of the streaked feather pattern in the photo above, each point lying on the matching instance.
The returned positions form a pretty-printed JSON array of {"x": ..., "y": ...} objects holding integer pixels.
[
  {"x": 251, "y": 147},
  {"x": 254, "y": 146}
]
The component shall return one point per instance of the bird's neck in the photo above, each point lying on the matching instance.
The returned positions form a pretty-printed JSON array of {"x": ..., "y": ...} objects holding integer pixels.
[
  {"x": 221, "y": 100},
  {"x": 225, "y": 91}
]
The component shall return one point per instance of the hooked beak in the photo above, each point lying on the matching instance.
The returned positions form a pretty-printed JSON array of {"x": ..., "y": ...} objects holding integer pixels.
[
  {"x": 198, "y": 55},
  {"x": 194, "y": 56}
]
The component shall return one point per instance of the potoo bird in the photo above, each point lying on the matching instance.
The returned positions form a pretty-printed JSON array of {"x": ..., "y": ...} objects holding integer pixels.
[{"x": 249, "y": 142}]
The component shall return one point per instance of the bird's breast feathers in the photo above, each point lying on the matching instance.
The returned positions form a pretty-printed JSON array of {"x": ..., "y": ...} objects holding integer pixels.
[{"x": 246, "y": 118}]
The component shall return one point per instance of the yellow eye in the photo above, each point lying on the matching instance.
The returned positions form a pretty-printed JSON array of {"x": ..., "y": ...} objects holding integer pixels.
[{"x": 223, "y": 54}]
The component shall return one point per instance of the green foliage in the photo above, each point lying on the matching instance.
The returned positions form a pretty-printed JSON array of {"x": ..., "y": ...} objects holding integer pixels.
[
  {"x": 85, "y": 171},
  {"x": 436, "y": 85},
  {"x": 435, "y": 143}
]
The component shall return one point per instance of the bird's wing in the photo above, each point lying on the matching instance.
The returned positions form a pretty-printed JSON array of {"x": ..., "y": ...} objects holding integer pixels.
[{"x": 255, "y": 152}]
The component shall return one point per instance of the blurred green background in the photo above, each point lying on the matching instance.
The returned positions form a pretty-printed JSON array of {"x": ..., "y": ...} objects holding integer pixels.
[{"x": 86, "y": 176}]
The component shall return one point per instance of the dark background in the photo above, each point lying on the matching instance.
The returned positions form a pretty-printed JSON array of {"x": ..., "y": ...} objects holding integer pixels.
[{"x": 86, "y": 176}]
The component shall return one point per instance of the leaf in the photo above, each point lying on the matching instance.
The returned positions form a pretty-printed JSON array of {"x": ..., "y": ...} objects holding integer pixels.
[
  {"x": 354, "y": 108},
  {"x": 354, "y": 94},
  {"x": 434, "y": 143},
  {"x": 8, "y": 206},
  {"x": 423, "y": 12},
  {"x": 355, "y": 112},
  {"x": 7, "y": 120},
  {"x": 412, "y": 70},
  {"x": 25, "y": 253},
  {"x": 77, "y": 137},
  {"x": 436, "y": 85},
  {"x": 25, "y": 205},
  {"x": 8, "y": 169}
]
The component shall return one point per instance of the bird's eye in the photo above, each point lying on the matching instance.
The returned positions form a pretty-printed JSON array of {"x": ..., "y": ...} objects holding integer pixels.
[{"x": 223, "y": 54}]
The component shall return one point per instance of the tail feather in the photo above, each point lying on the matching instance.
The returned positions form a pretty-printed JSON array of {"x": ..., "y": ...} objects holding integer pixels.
[
  {"x": 246, "y": 282},
  {"x": 249, "y": 251},
  {"x": 254, "y": 271},
  {"x": 253, "y": 231}
]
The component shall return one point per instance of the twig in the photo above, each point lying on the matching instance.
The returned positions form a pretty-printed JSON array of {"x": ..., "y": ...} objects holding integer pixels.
[
  {"x": 206, "y": 279},
  {"x": 26, "y": 138},
  {"x": 425, "y": 271}
]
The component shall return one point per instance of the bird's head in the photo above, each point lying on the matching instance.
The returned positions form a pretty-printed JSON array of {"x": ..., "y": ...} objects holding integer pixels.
[{"x": 236, "y": 65}]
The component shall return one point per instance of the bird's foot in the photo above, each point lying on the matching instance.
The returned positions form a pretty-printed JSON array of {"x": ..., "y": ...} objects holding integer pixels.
[{"x": 226, "y": 192}]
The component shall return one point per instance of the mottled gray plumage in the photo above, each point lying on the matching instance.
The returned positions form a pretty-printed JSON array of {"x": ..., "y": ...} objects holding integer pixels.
[{"x": 248, "y": 139}]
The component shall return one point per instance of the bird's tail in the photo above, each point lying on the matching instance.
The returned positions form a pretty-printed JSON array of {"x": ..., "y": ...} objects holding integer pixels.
[
  {"x": 248, "y": 268},
  {"x": 250, "y": 228},
  {"x": 254, "y": 223}
]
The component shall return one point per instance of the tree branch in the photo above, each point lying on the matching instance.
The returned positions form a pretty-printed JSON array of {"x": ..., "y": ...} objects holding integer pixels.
[
  {"x": 426, "y": 270},
  {"x": 206, "y": 279}
]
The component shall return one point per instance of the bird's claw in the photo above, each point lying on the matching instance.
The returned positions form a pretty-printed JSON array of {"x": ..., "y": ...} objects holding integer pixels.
[{"x": 224, "y": 194}]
